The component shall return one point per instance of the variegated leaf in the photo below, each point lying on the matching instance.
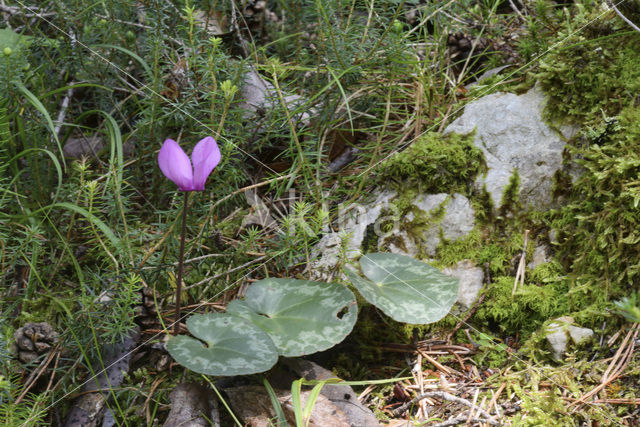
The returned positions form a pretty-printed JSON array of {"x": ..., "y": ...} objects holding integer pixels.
[
  {"x": 232, "y": 346},
  {"x": 405, "y": 289},
  {"x": 300, "y": 316}
]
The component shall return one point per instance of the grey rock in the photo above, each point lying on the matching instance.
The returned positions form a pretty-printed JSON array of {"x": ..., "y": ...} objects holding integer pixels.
[
  {"x": 579, "y": 334},
  {"x": 560, "y": 331},
  {"x": 259, "y": 96},
  {"x": 342, "y": 396},
  {"x": 557, "y": 339},
  {"x": 540, "y": 256},
  {"x": 471, "y": 281},
  {"x": 88, "y": 409},
  {"x": 253, "y": 405},
  {"x": 512, "y": 135},
  {"x": 352, "y": 225},
  {"x": 76, "y": 148},
  {"x": 457, "y": 222},
  {"x": 192, "y": 405}
]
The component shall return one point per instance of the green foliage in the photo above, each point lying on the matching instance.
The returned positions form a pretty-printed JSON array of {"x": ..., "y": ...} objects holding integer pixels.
[
  {"x": 524, "y": 312},
  {"x": 300, "y": 316},
  {"x": 598, "y": 229},
  {"x": 593, "y": 71},
  {"x": 285, "y": 317},
  {"x": 435, "y": 163},
  {"x": 629, "y": 307},
  {"x": 405, "y": 289},
  {"x": 233, "y": 346}
]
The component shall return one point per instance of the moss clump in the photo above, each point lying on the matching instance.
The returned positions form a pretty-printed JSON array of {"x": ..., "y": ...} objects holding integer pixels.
[
  {"x": 525, "y": 311},
  {"x": 591, "y": 71},
  {"x": 599, "y": 230},
  {"x": 435, "y": 163}
]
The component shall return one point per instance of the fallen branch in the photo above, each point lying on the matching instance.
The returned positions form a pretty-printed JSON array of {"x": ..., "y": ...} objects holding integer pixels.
[
  {"x": 445, "y": 396},
  {"x": 463, "y": 419},
  {"x": 616, "y": 367}
]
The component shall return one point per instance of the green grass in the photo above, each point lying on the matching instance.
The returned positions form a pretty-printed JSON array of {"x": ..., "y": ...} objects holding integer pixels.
[{"x": 371, "y": 77}]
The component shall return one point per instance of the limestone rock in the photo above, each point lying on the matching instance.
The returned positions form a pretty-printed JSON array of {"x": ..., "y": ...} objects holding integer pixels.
[
  {"x": 76, "y": 148},
  {"x": 350, "y": 236},
  {"x": 253, "y": 405},
  {"x": 457, "y": 221},
  {"x": 540, "y": 256},
  {"x": 192, "y": 405},
  {"x": 560, "y": 331},
  {"x": 342, "y": 396},
  {"x": 471, "y": 281},
  {"x": 512, "y": 134}
]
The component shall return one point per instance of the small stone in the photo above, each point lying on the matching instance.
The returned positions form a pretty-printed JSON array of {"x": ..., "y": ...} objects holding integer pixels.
[
  {"x": 561, "y": 330},
  {"x": 540, "y": 256},
  {"x": 580, "y": 335},
  {"x": 557, "y": 339},
  {"x": 76, "y": 148},
  {"x": 471, "y": 281}
]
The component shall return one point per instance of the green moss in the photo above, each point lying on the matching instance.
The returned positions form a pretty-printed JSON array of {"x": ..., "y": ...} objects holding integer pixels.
[
  {"x": 370, "y": 240},
  {"x": 510, "y": 196},
  {"x": 591, "y": 71},
  {"x": 483, "y": 249},
  {"x": 525, "y": 311},
  {"x": 435, "y": 163},
  {"x": 598, "y": 230}
]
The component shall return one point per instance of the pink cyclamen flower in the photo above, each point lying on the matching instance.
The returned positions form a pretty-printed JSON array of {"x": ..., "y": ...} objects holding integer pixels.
[{"x": 176, "y": 166}]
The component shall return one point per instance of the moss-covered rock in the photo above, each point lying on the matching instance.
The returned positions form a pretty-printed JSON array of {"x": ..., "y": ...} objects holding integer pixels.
[
  {"x": 435, "y": 164},
  {"x": 591, "y": 72}
]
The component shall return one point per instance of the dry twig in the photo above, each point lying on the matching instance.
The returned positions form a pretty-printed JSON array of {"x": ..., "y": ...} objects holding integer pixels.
[{"x": 441, "y": 395}]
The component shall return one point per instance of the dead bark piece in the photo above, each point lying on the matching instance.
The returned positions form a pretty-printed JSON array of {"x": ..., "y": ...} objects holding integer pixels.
[
  {"x": 348, "y": 155},
  {"x": 87, "y": 410},
  {"x": 342, "y": 396},
  {"x": 192, "y": 405},
  {"x": 260, "y": 96},
  {"x": 253, "y": 405},
  {"x": 76, "y": 148}
]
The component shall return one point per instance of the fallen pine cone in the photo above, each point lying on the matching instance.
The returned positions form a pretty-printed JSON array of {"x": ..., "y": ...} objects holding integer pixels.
[{"x": 33, "y": 340}]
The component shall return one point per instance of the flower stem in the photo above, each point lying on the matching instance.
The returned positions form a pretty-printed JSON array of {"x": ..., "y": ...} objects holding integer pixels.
[{"x": 176, "y": 325}]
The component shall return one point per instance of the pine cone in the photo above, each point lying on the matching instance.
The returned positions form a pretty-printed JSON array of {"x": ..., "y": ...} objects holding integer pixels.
[
  {"x": 146, "y": 314},
  {"x": 33, "y": 340},
  {"x": 460, "y": 47}
]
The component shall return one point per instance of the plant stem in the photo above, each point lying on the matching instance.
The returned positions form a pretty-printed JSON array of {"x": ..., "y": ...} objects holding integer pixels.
[{"x": 176, "y": 325}]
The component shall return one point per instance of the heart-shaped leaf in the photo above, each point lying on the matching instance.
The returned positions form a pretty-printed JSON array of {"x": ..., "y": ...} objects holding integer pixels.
[
  {"x": 233, "y": 346},
  {"x": 300, "y": 316},
  {"x": 405, "y": 289}
]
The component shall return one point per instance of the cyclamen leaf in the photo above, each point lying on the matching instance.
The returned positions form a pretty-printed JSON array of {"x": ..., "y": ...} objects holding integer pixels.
[
  {"x": 233, "y": 346},
  {"x": 300, "y": 316},
  {"x": 405, "y": 289}
]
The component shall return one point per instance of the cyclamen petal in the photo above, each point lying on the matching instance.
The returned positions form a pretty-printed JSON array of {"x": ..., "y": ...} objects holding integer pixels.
[
  {"x": 205, "y": 157},
  {"x": 176, "y": 166}
]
